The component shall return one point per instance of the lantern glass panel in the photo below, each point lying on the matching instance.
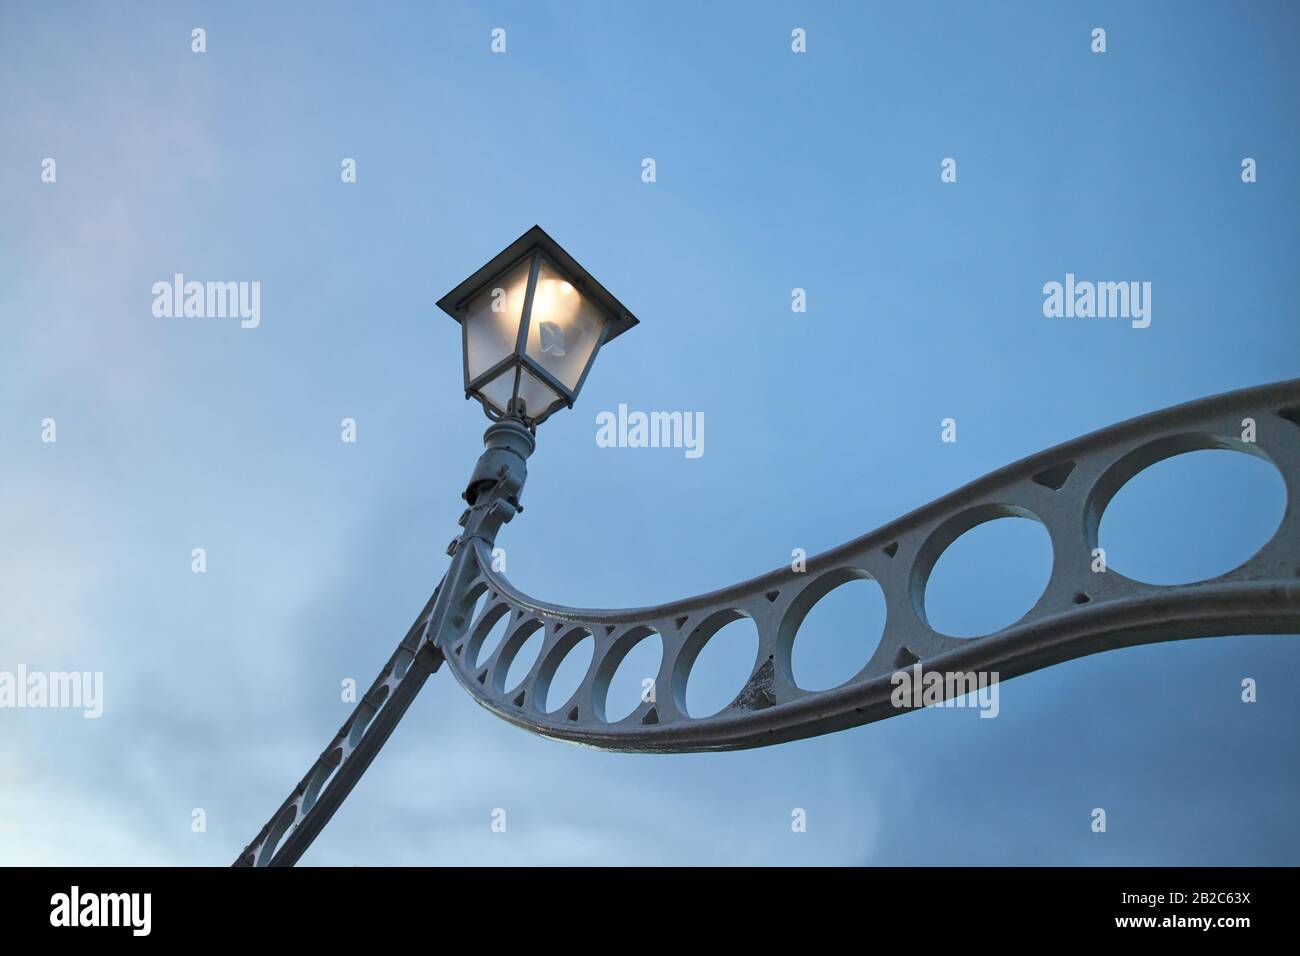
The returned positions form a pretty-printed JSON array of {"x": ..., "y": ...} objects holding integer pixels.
[
  {"x": 500, "y": 390},
  {"x": 564, "y": 328},
  {"x": 492, "y": 320},
  {"x": 537, "y": 396}
]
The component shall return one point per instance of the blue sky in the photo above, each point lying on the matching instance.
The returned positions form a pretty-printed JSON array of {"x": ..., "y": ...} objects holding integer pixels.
[{"x": 774, "y": 171}]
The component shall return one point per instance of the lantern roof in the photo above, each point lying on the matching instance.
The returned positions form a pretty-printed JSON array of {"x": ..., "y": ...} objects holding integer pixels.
[{"x": 454, "y": 302}]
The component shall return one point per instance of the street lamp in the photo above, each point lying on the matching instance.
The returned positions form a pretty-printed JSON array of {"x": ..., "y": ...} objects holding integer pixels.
[{"x": 532, "y": 321}]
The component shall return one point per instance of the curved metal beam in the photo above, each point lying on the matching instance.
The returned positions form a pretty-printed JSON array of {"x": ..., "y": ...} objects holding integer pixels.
[{"x": 1080, "y": 612}]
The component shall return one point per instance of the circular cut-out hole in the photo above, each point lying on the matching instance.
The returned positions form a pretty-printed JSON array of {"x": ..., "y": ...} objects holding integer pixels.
[
  {"x": 989, "y": 577},
  {"x": 524, "y": 660},
  {"x": 493, "y": 639},
  {"x": 476, "y": 606},
  {"x": 320, "y": 777},
  {"x": 469, "y": 615},
  {"x": 634, "y": 679},
  {"x": 277, "y": 834},
  {"x": 402, "y": 662},
  {"x": 722, "y": 667},
  {"x": 568, "y": 676},
  {"x": 839, "y": 635},
  {"x": 1193, "y": 516}
]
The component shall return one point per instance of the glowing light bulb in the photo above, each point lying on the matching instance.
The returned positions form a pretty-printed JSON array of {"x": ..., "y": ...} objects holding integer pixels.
[{"x": 552, "y": 337}]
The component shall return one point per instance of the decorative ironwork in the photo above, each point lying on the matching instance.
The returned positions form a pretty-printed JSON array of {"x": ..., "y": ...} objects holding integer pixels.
[{"x": 1080, "y": 612}]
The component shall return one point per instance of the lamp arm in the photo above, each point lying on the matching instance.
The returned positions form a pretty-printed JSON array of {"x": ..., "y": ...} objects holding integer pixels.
[{"x": 1085, "y": 608}]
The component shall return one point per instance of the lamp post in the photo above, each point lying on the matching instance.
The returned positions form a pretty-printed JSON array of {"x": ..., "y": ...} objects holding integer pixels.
[{"x": 532, "y": 323}]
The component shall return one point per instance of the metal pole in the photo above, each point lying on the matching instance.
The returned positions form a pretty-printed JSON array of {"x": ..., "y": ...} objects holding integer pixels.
[{"x": 493, "y": 498}]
